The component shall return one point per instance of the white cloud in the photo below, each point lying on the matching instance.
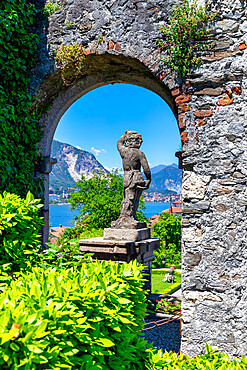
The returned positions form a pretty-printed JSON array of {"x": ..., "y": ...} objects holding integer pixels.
[
  {"x": 97, "y": 151},
  {"x": 78, "y": 147}
]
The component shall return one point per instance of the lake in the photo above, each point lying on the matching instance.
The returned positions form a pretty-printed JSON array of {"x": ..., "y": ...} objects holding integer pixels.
[{"x": 61, "y": 215}]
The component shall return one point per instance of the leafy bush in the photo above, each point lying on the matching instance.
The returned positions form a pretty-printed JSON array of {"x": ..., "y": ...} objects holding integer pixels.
[
  {"x": 64, "y": 256},
  {"x": 168, "y": 228},
  {"x": 74, "y": 319},
  {"x": 212, "y": 360},
  {"x": 99, "y": 200},
  {"x": 78, "y": 232},
  {"x": 20, "y": 226}
]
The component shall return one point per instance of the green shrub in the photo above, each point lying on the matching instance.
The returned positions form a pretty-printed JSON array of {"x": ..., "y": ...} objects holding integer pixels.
[
  {"x": 168, "y": 228},
  {"x": 74, "y": 319},
  {"x": 79, "y": 232},
  {"x": 171, "y": 289},
  {"x": 212, "y": 360},
  {"x": 20, "y": 226},
  {"x": 66, "y": 255}
]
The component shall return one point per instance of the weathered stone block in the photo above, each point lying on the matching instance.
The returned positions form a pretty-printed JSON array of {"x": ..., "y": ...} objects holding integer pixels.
[
  {"x": 126, "y": 234},
  {"x": 194, "y": 185}
]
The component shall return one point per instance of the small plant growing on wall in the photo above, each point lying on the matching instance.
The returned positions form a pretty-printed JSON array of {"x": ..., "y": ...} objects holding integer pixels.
[
  {"x": 184, "y": 35},
  {"x": 51, "y": 7},
  {"x": 71, "y": 60}
]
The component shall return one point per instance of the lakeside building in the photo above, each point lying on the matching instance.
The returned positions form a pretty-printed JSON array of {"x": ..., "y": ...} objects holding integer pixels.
[
  {"x": 55, "y": 232},
  {"x": 176, "y": 207}
]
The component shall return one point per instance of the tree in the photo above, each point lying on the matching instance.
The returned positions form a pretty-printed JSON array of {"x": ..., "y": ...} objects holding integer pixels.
[
  {"x": 168, "y": 228},
  {"x": 99, "y": 200}
]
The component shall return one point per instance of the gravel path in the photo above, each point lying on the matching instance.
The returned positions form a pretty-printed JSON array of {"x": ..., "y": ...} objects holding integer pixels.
[{"x": 165, "y": 336}]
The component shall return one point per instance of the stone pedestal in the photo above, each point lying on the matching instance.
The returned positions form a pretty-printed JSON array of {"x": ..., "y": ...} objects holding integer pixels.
[{"x": 124, "y": 249}]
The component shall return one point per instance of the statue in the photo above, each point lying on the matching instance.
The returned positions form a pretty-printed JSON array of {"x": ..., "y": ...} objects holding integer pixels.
[{"x": 133, "y": 184}]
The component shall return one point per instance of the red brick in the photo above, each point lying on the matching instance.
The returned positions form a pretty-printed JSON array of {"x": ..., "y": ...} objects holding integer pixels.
[
  {"x": 196, "y": 137},
  {"x": 184, "y": 136},
  {"x": 181, "y": 121},
  {"x": 182, "y": 99},
  {"x": 110, "y": 45},
  {"x": 236, "y": 90},
  {"x": 201, "y": 122},
  {"x": 184, "y": 108},
  {"x": 161, "y": 76},
  {"x": 87, "y": 51},
  {"x": 242, "y": 46},
  {"x": 176, "y": 92},
  {"x": 225, "y": 101},
  {"x": 203, "y": 113},
  {"x": 229, "y": 92},
  {"x": 118, "y": 47}
]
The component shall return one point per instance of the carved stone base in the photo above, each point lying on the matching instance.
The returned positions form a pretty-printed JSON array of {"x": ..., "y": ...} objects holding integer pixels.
[
  {"x": 123, "y": 251},
  {"x": 126, "y": 234}
]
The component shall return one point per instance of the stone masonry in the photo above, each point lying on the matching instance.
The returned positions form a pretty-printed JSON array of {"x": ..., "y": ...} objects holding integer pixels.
[{"x": 211, "y": 112}]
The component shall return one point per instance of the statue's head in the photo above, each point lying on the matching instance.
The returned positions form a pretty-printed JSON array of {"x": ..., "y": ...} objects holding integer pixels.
[{"x": 132, "y": 139}]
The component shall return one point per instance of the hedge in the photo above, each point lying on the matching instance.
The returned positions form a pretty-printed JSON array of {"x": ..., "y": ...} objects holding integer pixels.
[
  {"x": 86, "y": 319},
  {"x": 74, "y": 319},
  {"x": 20, "y": 227}
]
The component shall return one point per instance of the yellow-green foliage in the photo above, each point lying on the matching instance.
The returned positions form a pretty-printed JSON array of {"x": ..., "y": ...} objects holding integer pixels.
[
  {"x": 74, "y": 319},
  {"x": 172, "y": 288},
  {"x": 85, "y": 319},
  {"x": 51, "y": 7},
  {"x": 71, "y": 60},
  {"x": 20, "y": 226},
  {"x": 212, "y": 360}
]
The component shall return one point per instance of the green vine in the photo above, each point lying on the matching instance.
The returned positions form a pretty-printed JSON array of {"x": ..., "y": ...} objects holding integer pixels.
[
  {"x": 184, "y": 35},
  {"x": 71, "y": 60},
  {"x": 19, "y": 131}
]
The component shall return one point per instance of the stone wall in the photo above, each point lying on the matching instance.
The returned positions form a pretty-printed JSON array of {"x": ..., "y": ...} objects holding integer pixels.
[{"x": 210, "y": 108}]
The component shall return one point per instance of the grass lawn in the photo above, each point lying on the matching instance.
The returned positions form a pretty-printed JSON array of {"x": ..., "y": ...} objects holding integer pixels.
[{"x": 157, "y": 284}]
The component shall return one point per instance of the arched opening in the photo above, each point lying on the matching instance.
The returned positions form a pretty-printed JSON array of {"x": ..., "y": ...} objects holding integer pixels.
[
  {"x": 76, "y": 93},
  {"x": 99, "y": 70}
]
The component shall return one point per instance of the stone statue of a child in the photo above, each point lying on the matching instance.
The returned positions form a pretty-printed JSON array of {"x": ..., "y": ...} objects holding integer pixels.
[{"x": 133, "y": 183}]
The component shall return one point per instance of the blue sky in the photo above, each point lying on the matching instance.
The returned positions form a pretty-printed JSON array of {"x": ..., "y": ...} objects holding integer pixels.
[{"x": 97, "y": 120}]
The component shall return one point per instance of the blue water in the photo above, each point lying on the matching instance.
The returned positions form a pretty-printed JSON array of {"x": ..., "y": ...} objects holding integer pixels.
[{"x": 61, "y": 215}]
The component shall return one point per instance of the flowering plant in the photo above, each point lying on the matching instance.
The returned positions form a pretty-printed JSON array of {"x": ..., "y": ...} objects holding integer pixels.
[{"x": 169, "y": 307}]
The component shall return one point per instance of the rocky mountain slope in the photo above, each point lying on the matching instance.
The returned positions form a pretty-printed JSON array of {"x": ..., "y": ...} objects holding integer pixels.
[
  {"x": 71, "y": 164},
  {"x": 169, "y": 178}
]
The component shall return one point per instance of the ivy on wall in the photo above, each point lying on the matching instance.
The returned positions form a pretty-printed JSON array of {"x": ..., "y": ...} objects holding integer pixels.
[{"x": 19, "y": 133}]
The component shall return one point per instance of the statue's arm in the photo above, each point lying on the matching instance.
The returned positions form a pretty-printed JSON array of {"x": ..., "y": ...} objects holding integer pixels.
[
  {"x": 120, "y": 143},
  {"x": 146, "y": 169}
]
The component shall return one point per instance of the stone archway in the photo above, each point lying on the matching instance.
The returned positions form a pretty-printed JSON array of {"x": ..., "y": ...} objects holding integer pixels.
[
  {"x": 99, "y": 70},
  {"x": 211, "y": 113}
]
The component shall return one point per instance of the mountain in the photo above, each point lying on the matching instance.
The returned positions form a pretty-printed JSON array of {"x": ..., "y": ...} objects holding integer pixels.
[
  {"x": 169, "y": 178},
  {"x": 71, "y": 164},
  {"x": 157, "y": 168},
  {"x": 160, "y": 167}
]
